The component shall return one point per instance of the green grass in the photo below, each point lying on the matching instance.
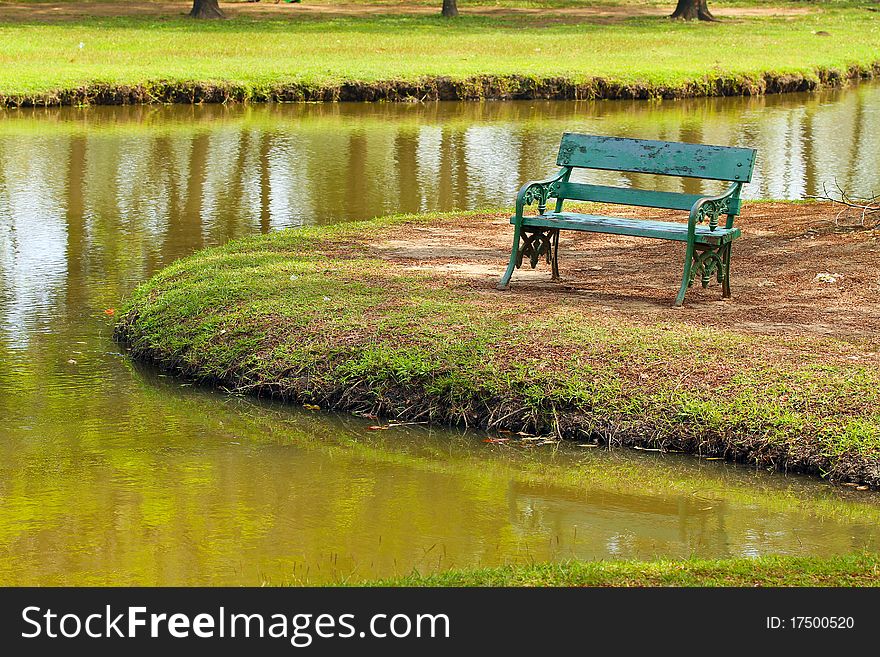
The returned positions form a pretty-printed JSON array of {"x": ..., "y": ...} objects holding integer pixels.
[
  {"x": 253, "y": 54},
  {"x": 309, "y": 315},
  {"x": 850, "y": 570}
]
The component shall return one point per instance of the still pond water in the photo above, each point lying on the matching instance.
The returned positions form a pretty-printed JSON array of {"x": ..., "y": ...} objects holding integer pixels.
[{"x": 111, "y": 473}]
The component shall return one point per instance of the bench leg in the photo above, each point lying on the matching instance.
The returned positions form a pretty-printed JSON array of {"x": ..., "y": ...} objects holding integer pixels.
[
  {"x": 504, "y": 283},
  {"x": 725, "y": 271},
  {"x": 555, "y": 260},
  {"x": 686, "y": 275}
]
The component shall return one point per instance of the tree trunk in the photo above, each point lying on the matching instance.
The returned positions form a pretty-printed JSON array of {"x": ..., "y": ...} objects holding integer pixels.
[
  {"x": 450, "y": 8},
  {"x": 206, "y": 9},
  {"x": 690, "y": 10}
]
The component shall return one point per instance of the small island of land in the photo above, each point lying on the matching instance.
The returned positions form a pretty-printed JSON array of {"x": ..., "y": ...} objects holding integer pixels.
[{"x": 399, "y": 317}]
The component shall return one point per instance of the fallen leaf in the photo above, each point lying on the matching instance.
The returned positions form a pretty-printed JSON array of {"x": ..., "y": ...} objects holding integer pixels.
[
  {"x": 312, "y": 407},
  {"x": 825, "y": 277},
  {"x": 110, "y": 312}
]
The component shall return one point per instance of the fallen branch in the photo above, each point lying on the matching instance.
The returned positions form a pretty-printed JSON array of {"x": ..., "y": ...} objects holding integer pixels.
[{"x": 866, "y": 207}]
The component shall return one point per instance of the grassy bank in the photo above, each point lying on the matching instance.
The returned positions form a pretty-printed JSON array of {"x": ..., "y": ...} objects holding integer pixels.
[
  {"x": 161, "y": 56},
  {"x": 365, "y": 317},
  {"x": 850, "y": 570}
]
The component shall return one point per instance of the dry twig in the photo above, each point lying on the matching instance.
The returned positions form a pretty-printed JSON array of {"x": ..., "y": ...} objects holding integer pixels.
[{"x": 867, "y": 208}]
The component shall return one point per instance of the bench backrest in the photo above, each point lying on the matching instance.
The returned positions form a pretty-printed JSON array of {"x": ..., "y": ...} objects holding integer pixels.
[{"x": 666, "y": 158}]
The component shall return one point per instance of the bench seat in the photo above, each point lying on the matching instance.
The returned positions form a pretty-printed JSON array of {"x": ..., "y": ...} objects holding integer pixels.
[{"x": 596, "y": 223}]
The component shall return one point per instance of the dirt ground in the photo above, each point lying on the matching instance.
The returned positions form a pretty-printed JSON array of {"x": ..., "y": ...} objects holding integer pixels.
[
  {"x": 68, "y": 11},
  {"x": 795, "y": 271}
]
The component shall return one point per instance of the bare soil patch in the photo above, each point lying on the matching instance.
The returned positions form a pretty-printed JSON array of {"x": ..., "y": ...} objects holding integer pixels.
[{"x": 782, "y": 271}]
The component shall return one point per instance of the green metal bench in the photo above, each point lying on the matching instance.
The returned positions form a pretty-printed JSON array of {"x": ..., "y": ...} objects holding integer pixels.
[{"x": 708, "y": 240}]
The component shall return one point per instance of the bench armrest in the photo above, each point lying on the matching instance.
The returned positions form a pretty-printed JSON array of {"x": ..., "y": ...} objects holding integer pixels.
[
  {"x": 540, "y": 191},
  {"x": 712, "y": 207}
]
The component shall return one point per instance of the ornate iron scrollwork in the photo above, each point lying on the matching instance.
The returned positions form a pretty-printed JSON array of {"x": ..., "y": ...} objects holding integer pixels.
[
  {"x": 535, "y": 243},
  {"x": 708, "y": 261},
  {"x": 540, "y": 192},
  {"x": 713, "y": 209}
]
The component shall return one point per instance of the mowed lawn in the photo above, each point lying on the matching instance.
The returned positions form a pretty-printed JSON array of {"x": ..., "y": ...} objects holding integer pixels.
[{"x": 251, "y": 50}]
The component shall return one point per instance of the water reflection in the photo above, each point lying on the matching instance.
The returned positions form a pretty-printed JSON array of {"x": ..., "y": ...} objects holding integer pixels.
[
  {"x": 112, "y": 475},
  {"x": 103, "y": 195},
  {"x": 186, "y": 486}
]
